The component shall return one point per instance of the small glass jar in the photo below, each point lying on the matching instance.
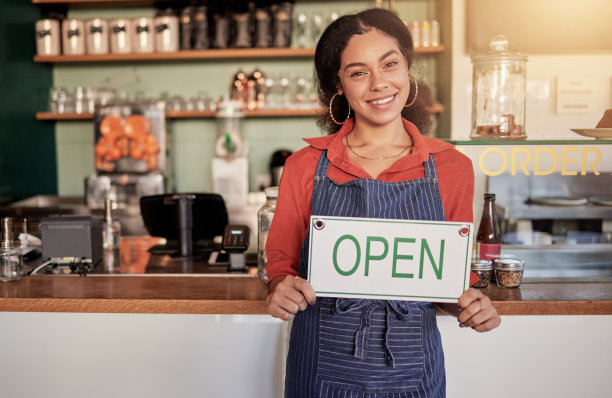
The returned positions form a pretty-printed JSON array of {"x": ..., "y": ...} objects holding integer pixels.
[
  {"x": 499, "y": 93},
  {"x": 264, "y": 221},
  {"x": 482, "y": 268},
  {"x": 11, "y": 262},
  {"x": 11, "y": 258},
  {"x": 508, "y": 272}
]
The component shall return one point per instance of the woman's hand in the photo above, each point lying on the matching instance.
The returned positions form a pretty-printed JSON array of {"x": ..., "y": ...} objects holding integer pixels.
[
  {"x": 287, "y": 295},
  {"x": 477, "y": 311}
]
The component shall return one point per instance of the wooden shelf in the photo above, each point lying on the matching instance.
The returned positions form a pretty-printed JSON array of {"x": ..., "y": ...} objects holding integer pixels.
[
  {"x": 121, "y": 3},
  {"x": 437, "y": 108},
  {"x": 187, "y": 55},
  {"x": 102, "y": 3},
  {"x": 189, "y": 114},
  {"x": 63, "y": 116}
]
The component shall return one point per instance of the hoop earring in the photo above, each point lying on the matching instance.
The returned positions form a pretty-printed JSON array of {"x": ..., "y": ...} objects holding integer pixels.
[
  {"x": 416, "y": 92},
  {"x": 331, "y": 113}
]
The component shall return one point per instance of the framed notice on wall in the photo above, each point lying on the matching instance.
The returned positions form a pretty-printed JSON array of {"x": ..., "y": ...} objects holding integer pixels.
[{"x": 540, "y": 27}]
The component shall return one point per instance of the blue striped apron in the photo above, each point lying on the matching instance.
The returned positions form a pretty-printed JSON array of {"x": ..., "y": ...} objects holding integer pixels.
[{"x": 343, "y": 347}]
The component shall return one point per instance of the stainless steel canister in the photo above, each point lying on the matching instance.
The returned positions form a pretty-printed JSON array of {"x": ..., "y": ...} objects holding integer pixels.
[
  {"x": 73, "y": 37},
  {"x": 97, "y": 36},
  {"x": 121, "y": 36},
  {"x": 143, "y": 35},
  {"x": 166, "y": 33},
  {"x": 48, "y": 37}
]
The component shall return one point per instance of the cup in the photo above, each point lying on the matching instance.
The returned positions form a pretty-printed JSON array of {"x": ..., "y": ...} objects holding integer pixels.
[
  {"x": 73, "y": 38},
  {"x": 47, "y": 37},
  {"x": 97, "y": 36}
]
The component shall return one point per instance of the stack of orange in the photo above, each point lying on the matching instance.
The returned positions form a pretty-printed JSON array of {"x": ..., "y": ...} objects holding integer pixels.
[{"x": 128, "y": 137}]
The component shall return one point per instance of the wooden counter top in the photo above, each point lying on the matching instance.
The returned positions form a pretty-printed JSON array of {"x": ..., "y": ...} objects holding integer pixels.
[
  {"x": 137, "y": 282},
  {"x": 245, "y": 294}
]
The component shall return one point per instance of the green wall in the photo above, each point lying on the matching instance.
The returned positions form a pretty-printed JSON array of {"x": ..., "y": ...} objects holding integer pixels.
[
  {"x": 27, "y": 146},
  {"x": 191, "y": 140}
]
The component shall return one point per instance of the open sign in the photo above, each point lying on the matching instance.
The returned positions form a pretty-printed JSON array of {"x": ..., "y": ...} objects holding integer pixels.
[{"x": 389, "y": 259}]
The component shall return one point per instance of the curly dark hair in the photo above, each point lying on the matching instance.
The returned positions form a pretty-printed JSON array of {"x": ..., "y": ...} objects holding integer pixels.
[{"x": 328, "y": 53}]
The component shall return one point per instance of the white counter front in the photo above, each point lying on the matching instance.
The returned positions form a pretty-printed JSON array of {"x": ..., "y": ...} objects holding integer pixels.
[{"x": 66, "y": 355}]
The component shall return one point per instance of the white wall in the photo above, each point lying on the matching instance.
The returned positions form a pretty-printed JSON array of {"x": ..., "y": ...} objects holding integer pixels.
[{"x": 541, "y": 122}]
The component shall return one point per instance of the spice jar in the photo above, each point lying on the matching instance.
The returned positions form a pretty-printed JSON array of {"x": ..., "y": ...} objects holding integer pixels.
[
  {"x": 508, "y": 271},
  {"x": 499, "y": 92},
  {"x": 482, "y": 268},
  {"x": 264, "y": 221}
]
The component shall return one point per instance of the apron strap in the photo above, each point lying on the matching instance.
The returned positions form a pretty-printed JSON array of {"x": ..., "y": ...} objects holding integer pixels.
[
  {"x": 322, "y": 166},
  {"x": 430, "y": 168}
]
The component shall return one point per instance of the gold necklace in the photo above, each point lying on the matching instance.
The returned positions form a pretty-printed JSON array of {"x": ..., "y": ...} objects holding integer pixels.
[{"x": 378, "y": 157}]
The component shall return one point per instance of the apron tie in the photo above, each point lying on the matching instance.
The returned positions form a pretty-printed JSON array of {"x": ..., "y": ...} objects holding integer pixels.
[{"x": 393, "y": 311}]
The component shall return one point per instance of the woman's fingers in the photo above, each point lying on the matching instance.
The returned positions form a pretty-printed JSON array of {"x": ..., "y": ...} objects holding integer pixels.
[
  {"x": 289, "y": 297},
  {"x": 306, "y": 289},
  {"x": 477, "y": 311}
]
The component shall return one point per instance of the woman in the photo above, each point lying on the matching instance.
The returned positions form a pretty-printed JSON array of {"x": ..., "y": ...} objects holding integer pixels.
[{"x": 376, "y": 165}]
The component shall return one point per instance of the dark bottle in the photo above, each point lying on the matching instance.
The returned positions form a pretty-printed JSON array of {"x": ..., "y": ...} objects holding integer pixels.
[
  {"x": 200, "y": 30},
  {"x": 186, "y": 21},
  {"x": 488, "y": 243}
]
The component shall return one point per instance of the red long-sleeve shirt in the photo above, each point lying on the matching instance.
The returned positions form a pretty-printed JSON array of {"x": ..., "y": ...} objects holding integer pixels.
[{"x": 290, "y": 223}]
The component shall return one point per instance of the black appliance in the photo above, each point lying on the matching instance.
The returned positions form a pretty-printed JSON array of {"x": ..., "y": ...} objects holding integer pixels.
[{"x": 188, "y": 221}]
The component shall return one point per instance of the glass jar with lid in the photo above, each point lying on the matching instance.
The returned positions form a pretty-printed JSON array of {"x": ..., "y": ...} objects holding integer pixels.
[
  {"x": 482, "y": 268},
  {"x": 499, "y": 87},
  {"x": 508, "y": 271},
  {"x": 264, "y": 221}
]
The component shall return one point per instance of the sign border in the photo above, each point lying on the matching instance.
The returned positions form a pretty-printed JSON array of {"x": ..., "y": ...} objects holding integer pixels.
[{"x": 392, "y": 221}]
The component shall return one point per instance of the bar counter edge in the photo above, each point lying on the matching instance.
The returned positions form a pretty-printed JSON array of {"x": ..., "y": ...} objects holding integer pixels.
[{"x": 246, "y": 295}]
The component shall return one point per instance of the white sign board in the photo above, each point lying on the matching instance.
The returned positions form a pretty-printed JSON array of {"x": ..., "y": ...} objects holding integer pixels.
[
  {"x": 575, "y": 96},
  {"x": 389, "y": 259}
]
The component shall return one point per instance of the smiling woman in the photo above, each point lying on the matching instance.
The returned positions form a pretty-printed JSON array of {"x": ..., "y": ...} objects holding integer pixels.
[
  {"x": 377, "y": 165},
  {"x": 328, "y": 60}
]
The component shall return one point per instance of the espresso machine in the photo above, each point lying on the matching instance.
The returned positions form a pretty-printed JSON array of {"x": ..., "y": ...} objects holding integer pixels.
[
  {"x": 130, "y": 157},
  {"x": 561, "y": 225}
]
